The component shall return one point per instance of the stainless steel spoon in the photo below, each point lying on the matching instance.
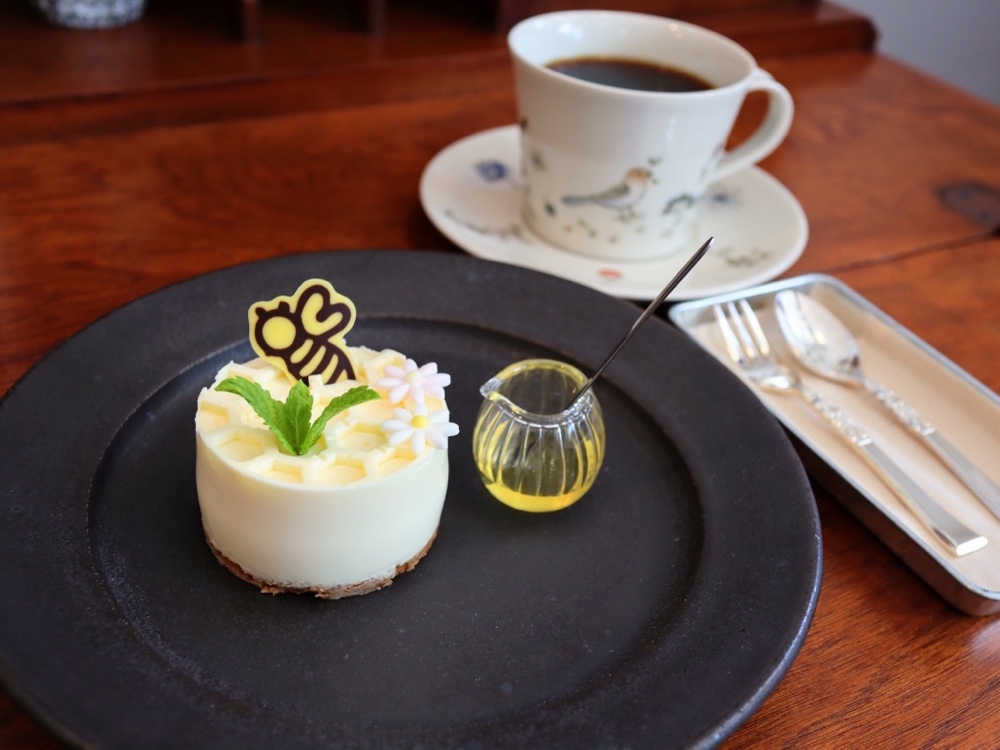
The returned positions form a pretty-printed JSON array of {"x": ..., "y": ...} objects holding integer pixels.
[{"x": 821, "y": 343}]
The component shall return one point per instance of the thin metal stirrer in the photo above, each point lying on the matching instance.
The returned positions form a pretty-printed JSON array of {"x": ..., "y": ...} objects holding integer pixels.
[{"x": 671, "y": 285}]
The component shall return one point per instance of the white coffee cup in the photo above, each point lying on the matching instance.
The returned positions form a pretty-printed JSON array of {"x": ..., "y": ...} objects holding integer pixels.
[{"x": 616, "y": 173}]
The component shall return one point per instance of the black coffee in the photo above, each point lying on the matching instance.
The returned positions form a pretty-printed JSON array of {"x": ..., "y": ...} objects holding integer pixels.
[{"x": 630, "y": 74}]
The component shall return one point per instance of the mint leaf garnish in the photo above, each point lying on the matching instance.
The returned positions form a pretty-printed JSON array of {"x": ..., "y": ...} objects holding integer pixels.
[
  {"x": 267, "y": 407},
  {"x": 290, "y": 420},
  {"x": 346, "y": 400},
  {"x": 298, "y": 413}
]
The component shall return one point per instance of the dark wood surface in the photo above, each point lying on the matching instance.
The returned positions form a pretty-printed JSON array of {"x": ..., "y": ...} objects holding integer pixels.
[{"x": 137, "y": 158}]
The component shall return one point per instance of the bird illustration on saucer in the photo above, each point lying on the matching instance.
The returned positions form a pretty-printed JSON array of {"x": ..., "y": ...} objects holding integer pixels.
[{"x": 623, "y": 197}]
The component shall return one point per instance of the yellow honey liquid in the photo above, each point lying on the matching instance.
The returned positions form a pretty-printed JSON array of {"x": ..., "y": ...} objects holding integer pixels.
[
  {"x": 534, "y": 503},
  {"x": 547, "y": 476}
]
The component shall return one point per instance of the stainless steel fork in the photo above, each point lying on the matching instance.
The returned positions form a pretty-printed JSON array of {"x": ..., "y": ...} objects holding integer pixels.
[{"x": 748, "y": 347}]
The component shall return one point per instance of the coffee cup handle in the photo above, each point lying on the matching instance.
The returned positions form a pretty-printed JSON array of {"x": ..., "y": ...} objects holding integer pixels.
[{"x": 769, "y": 135}]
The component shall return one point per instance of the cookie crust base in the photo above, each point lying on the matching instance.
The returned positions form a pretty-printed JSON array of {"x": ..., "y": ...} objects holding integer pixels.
[{"x": 321, "y": 592}]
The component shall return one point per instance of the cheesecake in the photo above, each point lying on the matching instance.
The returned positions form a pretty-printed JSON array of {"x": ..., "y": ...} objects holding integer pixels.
[{"x": 354, "y": 510}]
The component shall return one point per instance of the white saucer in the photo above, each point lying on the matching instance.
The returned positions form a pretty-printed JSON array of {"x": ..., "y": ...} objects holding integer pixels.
[{"x": 471, "y": 193}]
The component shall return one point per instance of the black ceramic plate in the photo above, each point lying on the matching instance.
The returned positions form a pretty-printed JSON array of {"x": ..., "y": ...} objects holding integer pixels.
[{"x": 658, "y": 611}]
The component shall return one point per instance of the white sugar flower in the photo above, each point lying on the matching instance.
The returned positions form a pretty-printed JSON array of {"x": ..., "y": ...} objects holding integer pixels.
[
  {"x": 413, "y": 380},
  {"x": 419, "y": 428}
]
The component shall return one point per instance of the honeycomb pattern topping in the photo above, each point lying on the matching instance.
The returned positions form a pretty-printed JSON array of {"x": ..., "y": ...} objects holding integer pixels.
[{"x": 353, "y": 449}]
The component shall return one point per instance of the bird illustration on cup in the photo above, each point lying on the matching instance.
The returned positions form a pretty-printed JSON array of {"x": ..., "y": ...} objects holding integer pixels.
[{"x": 622, "y": 197}]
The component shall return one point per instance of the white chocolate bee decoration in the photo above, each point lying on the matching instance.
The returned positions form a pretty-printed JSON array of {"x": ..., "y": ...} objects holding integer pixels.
[{"x": 303, "y": 334}]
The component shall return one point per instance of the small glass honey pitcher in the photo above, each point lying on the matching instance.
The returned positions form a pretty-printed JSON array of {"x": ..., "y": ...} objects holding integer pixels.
[
  {"x": 537, "y": 446},
  {"x": 539, "y": 437}
]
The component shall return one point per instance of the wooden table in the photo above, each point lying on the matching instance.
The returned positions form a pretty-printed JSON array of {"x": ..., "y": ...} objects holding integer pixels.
[{"x": 113, "y": 185}]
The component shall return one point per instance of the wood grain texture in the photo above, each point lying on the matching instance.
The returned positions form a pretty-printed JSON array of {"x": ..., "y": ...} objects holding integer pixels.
[
  {"x": 872, "y": 144},
  {"x": 114, "y": 183}
]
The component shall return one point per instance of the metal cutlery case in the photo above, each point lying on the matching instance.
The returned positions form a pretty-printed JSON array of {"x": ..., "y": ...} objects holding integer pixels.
[{"x": 958, "y": 405}]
